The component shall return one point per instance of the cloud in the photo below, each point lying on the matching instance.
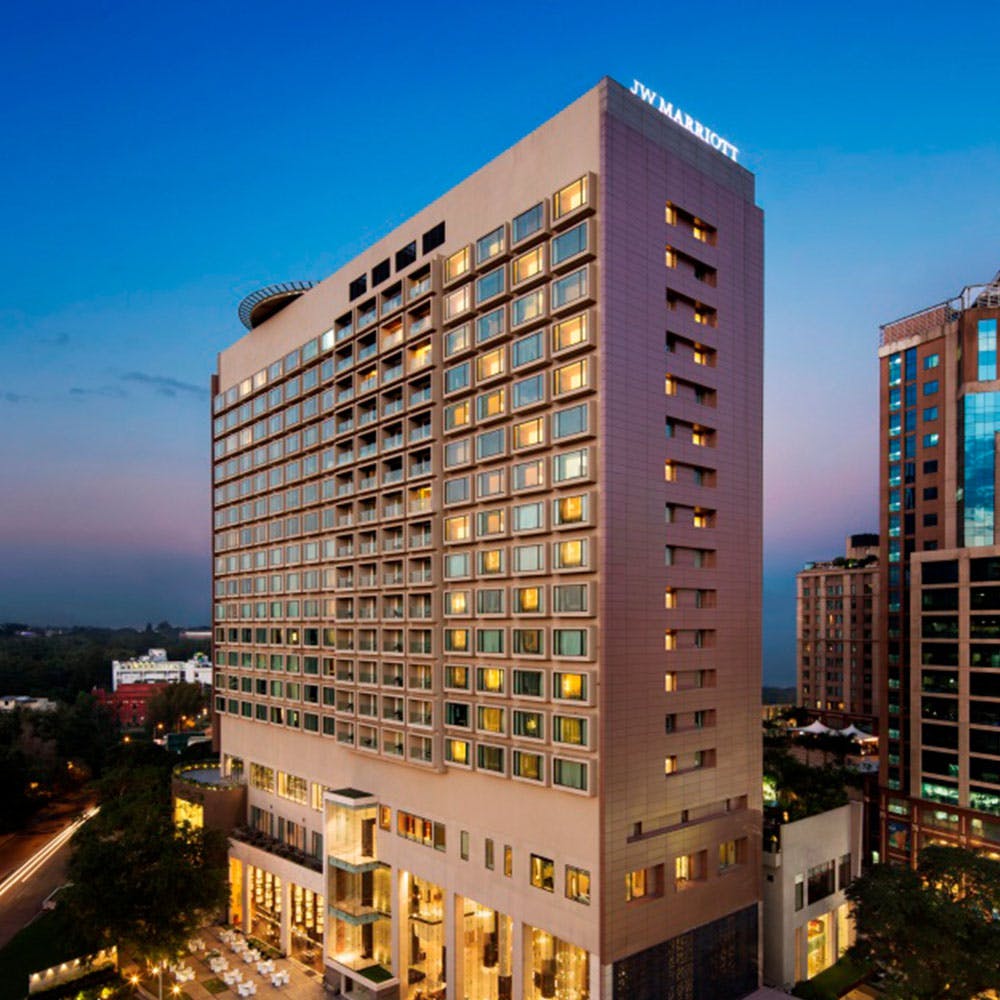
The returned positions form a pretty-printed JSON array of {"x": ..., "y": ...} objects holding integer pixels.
[
  {"x": 109, "y": 391},
  {"x": 164, "y": 385},
  {"x": 14, "y": 397}
]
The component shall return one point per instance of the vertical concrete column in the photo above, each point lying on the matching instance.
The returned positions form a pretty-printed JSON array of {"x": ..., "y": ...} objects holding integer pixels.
[
  {"x": 397, "y": 888},
  {"x": 520, "y": 948},
  {"x": 286, "y": 916},
  {"x": 454, "y": 936},
  {"x": 246, "y": 895}
]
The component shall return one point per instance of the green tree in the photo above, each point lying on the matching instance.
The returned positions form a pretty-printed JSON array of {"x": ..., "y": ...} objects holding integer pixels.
[
  {"x": 173, "y": 703},
  {"x": 137, "y": 879},
  {"x": 934, "y": 930}
]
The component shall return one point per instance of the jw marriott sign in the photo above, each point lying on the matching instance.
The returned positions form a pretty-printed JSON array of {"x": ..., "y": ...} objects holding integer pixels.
[{"x": 685, "y": 121}]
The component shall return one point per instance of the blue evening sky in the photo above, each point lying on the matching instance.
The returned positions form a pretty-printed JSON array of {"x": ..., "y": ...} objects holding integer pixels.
[{"x": 160, "y": 161}]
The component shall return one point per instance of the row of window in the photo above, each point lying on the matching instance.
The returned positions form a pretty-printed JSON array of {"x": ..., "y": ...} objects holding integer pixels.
[{"x": 648, "y": 883}]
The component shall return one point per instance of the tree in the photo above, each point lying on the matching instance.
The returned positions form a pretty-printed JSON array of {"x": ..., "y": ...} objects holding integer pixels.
[
  {"x": 934, "y": 930},
  {"x": 173, "y": 702},
  {"x": 138, "y": 879}
]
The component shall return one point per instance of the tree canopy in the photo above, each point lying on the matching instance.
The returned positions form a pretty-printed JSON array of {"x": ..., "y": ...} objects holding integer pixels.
[
  {"x": 174, "y": 702},
  {"x": 935, "y": 930},
  {"x": 136, "y": 877}
]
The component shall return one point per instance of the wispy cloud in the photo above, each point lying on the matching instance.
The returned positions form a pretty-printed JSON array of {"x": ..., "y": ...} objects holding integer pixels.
[
  {"x": 14, "y": 397},
  {"x": 164, "y": 385},
  {"x": 108, "y": 391}
]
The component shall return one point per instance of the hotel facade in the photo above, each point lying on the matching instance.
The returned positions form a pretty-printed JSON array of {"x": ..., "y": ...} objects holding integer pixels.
[
  {"x": 940, "y": 576},
  {"x": 487, "y": 568}
]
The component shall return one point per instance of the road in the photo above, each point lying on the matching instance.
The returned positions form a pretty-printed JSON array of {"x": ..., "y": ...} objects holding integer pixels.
[{"x": 33, "y": 863}]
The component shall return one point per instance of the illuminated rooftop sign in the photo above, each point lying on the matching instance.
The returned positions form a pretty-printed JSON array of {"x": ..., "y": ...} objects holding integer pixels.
[{"x": 685, "y": 121}]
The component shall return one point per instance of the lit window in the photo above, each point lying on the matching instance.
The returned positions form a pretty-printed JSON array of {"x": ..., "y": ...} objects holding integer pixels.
[
  {"x": 456, "y": 415},
  {"x": 569, "y": 332},
  {"x": 570, "y": 509},
  {"x": 457, "y": 529},
  {"x": 456, "y": 640},
  {"x": 457, "y": 264},
  {"x": 490, "y": 680},
  {"x": 490, "y": 522},
  {"x": 529, "y": 765},
  {"x": 456, "y": 602},
  {"x": 491, "y": 404},
  {"x": 670, "y": 764},
  {"x": 491, "y": 562},
  {"x": 542, "y": 873},
  {"x": 643, "y": 883},
  {"x": 570, "y": 687},
  {"x": 457, "y": 302},
  {"x": 571, "y": 465},
  {"x": 528, "y": 264},
  {"x": 529, "y": 433},
  {"x": 578, "y": 885},
  {"x": 456, "y": 751},
  {"x": 571, "y": 554},
  {"x": 569, "y": 729},
  {"x": 529, "y": 724},
  {"x": 528, "y": 600},
  {"x": 490, "y": 484},
  {"x": 670, "y": 681},
  {"x": 569, "y": 198},
  {"x": 491, "y": 364},
  {"x": 529, "y": 475},
  {"x": 490, "y": 719},
  {"x": 456, "y": 677}
]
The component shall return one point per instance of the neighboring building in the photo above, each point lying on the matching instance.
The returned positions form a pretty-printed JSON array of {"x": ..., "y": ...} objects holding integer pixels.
[
  {"x": 155, "y": 668},
  {"x": 200, "y": 634},
  {"x": 487, "y": 577},
  {"x": 807, "y": 865},
  {"x": 940, "y": 414},
  {"x": 838, "y": 640},
  {"x": 11, "y": 702},
  {"x": 130, "y": 703}
]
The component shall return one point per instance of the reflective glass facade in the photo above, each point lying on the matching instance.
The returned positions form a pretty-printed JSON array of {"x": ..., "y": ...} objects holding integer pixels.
[
  {"x": 980, "y": 424},
  {"x": 987, "y": 345}
]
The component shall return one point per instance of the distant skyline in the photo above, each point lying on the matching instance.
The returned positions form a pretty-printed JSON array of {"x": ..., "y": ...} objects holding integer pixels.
[{"x": 163, "y": 162}]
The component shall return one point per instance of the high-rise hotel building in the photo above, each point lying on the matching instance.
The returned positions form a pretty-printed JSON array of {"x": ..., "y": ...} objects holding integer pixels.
[
  {"x": 940, "y": 576},
  {"x": 487, "y": 581}
]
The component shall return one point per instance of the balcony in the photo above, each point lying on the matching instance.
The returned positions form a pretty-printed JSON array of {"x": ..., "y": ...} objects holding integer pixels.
[{"x": 255, "y": 838}]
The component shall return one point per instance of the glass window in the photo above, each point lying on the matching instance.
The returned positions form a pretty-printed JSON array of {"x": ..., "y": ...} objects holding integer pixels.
[
  {"x": 458, "y": 529},
  {"x": 570, "y": 687},
  {"x": 529, "y": 391},
  {"x": 569, "y": 244},
  {"x": 457, "y": 453},
  {"x": 569, "y": 773},
  {"x": 490, "y": 680},
  {"x": 525, "y": 308},
  {"x": 569, "y": 641},
  {"x": 571, "y": 554},
  {"x": 456, "y": 640},
  {"x": 570, "y": 509},
  {"x": 458, "y": 377},
  {"x": 542, "y": 873},
  {"x": 987, "y": 350},
  {"x": 457, "y": 302},
  {"x": 456, "y": 490},
  {"x": 457, "y": 752},
  {"x": 528, "y": 600},
  {"x": 456, "y": 677},
  {"x": 569, "y": 729},
  {"x": 491, "y": 364},
  {"x": 489, "y": 758},
  {"x": 491, "y": 443},
  {"x": 529, "y": 683},
  {"x": 490, "y": 245},
  {"x": 491, "y": 284},
  {"x": 457, "y": 264},
  {"x": 457, "y": 340},
  {"x": 571, "y": 465},
  {"x": 569, "y": 198},
  {"x": 490, "y": 484},
  {"x": 489, "y": 326},
  {"x": 566, "y": 423},
  {"x": 528, "y": 264},
  {"x": 529, "y": 475},
  {"x": 930, "y": 388},
  {"x": 456, "y": 602},
  {"x": 491, "y": 404},
  {"x": 529, "y": 765},
  {"x": 457, "y": 415},
  {"x": 456, "y": 565},
  {"x": 578, "y": 885},
  {"x": 528, "y": 222},
  {"x": 490, "y": 719},
  {"x": 529, "y": 516},
  {"x": 931, "y": 361},
  {"x": 569, "y": 598},
  {"x": 570, "y": 378},
  {"x": 529, "y": 641},
  {"x": 529, "y": 433},
  {"x": 529, "y": 558},
  {"x": 527, "y": 349},
  {"x": 570, "y": 288},
  {"x": 490, "y": 562},
  {"x": 569, "y": 332},
  {"x": 490, "y": 602},
  {"x": 490, "y": 522}
]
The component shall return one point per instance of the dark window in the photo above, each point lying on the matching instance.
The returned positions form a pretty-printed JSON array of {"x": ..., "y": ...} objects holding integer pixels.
[
  {"x": 945, "y": 571},
  {"x": 983, "y": 769},
  {"x": 930, "y": 493},
  {"x": 821, "y": 881},
  {"x": 358, "y": 287},
  {"x": 930, "y": 467},
  {"x": 844, "y": 873},
  {"x": 981, "y": 741},
  {"x": 940, "y": 736},
  {"x": 984, "y": 569},
  {"x": 433, "y": 238},
  {"x": 406, "y": 256},
  {"x": 930, "y": 520},
  {"x": 380, "y": 272},
  {"x": 984, "y": 685},
  {"x": 940, "y": 600},
  {"x": 940, "y": 763}
]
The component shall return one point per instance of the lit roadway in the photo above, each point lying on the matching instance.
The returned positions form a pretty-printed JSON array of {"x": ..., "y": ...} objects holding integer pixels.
[{"x": 33, "y": 864}]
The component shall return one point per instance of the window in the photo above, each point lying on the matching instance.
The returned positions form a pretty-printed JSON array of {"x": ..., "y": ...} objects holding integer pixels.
[
  {"x": 490, "y": 680},
  {"x": 491, "y": 245},
  {"x": 528, "y": 391},
  {"x": 529, "y": 641},
  {"x": 931, "y": 413},
  {"x": 528, "y": 222},
  {"x": 491, "y": 443},
  {"x": 570, "y": 687},
  {"x": 490, "y": 758},
  {"x": 930, "y": 388},
  {"x": 457, "y": 453},
  {"x": 570, "y": 509},
  {"x": 527, "y": 307},
  {"x": 800, "y": 896},
  {"x": 820, "y": 881},
  {"x": 456, "y": 677},
  {"x": 456, "y": 303},
  {"x": 570, "y": 729},
  {"x": 456, "y": 490},
  {"x": 528, "y": 765},
  {"x": 456, "y": 415},
  {"x": 570, "y": 465},
  {"x": 529, "y": 724},
  {"x": 731, "y": 853},
  {"x": 529, "y": 683},
  {"x": 491, "y": 364},
  {"x": 689, "y": 868},
  {"x": 578, "y": 885},
  {"x": 490, "y": 562},
  {"x": 490, "y": 522},
  {"x": 456, "y": 565},
  {"x": 463, "y": 848},
  {"x": 490, "y": 285},
  {"x": 570, "y": 289},
  {"x": 457, "y": 377},
  {"x": 457, "y": 751},
  {"x": 458, "y": 529},
  {"x": 566, "y": 423},
  {"x": 527, "y": 349},
  {"x": 456, "y": 640},
  {"x": 489, "y": 854},
  {"x": 489, "y": 326},
  {"x": 457, "y": 340},
  {"x": 529, "y": 558},
  {"x": 570, "y": 598},
  {"x": 529, "y": 433},
  {"x": 491, "y": 404},
  {"x": 489, "y": 640},
  {"x": 644, "y": 883},
  {"x": 542, "y": 873},
  {"x": 456, "y": 714},
  {"x": 987, "y": 350},
  {"x": 569, "y": 244},
  {"x": 528, "y": 600},
  {"x": 569, "y": 332},
  {"x": 931, "y": 440},
  {"x": 569, "y": 773},
  {"x": 529, "y": 516},
  {"x": 569, "y": 198},
  {"x": 508, "y": 860},
  {"x": 529, "y": 475},
  {"x": 490, "y": 484},
  {"x": 490, "y": 719},
  {"x": 931, "y": 361},
  {"x": 571, "y": 554},
  {"x": 570, "y": 378},
  {"x": 457, "y": 264}
]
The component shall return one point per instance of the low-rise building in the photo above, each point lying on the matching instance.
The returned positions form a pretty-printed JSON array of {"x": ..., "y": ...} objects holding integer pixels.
[
  {"x": 807, "y": 865},
  {"x": 155, "y": 668},
  {"x": 25, "y": 702}
]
